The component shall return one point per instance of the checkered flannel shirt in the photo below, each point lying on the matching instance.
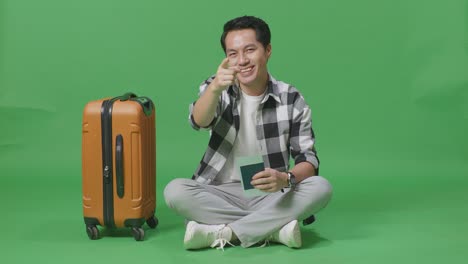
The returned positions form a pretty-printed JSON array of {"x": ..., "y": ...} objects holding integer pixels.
[{"x": 284, "y": 129}]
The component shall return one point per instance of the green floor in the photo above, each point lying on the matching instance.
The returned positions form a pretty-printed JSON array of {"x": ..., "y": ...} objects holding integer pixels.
[{"x": 419, "y": 216}]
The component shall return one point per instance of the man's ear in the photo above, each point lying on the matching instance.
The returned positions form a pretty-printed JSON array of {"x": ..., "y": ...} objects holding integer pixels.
[{"x": 268, "y": 51}]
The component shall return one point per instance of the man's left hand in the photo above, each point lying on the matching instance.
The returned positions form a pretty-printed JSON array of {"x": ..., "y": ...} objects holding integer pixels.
[{"x": 270, "y": 180}]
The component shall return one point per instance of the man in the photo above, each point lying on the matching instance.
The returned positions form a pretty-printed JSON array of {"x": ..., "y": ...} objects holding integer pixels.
[{"x": 249, "y": 113}]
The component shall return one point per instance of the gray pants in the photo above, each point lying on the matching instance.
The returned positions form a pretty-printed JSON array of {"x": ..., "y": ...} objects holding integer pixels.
[{"x": 252, "y": 219}]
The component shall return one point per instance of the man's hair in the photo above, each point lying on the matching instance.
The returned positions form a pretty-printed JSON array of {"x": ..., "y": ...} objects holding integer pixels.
[{"x": 261, "y": 28}]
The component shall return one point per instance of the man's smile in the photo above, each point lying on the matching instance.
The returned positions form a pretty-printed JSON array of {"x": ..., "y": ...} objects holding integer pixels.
[{"x": 247, "y": 70}]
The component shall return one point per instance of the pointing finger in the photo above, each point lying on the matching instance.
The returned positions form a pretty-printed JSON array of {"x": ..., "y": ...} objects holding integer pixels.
[
  {"x": 225, "y": 63},
  {"x": 235, "y": 68}
]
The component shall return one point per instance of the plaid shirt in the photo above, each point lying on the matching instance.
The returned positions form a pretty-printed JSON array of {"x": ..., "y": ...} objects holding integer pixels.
[{"x": 283, "y": 129}]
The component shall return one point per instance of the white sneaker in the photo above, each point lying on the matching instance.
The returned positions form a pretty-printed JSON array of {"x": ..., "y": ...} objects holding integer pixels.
[
  {"x": 203, "y": 236},
  {"x": 289, "y": 235}
]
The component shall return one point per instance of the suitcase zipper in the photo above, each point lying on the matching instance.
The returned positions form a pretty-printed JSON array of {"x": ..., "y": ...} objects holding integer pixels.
[{"x": 106, "y": 131}]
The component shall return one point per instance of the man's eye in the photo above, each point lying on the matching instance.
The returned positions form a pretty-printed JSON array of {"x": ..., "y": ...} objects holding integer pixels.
[{"x": 231, "y": 54}]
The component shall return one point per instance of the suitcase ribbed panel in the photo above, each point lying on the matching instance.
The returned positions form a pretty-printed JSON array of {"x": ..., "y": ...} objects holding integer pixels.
[{"x": 139, "y": 175}]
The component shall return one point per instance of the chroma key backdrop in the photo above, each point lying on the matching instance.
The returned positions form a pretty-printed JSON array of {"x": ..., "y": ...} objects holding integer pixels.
[{"x": 387, "y": 82}]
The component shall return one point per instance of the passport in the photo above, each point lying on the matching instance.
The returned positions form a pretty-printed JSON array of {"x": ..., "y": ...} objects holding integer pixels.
[
  {"x": 247, "y": 167},
  {"x": 248, "y": 171}
]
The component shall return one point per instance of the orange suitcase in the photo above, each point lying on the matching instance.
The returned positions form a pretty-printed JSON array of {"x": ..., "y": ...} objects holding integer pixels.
[{"x": 119, "y": 164}]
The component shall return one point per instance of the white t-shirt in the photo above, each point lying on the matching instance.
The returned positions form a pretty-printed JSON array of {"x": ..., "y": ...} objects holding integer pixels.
[{"x": 246, "y": 143}]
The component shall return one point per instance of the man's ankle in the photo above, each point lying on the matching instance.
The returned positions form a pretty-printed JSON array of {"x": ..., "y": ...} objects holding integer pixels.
[{"x": 234, "y": 237}]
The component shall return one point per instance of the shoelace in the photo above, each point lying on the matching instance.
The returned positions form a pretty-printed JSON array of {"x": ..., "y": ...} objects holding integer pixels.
[
  {"x": 267, "y": 241},
  {"x": 220, "y": 242}
]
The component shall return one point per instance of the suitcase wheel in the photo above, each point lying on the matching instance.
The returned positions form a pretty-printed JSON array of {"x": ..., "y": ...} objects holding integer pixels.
[
  {"x": 93, "y": 232},
  {"x": 138, "y": 233},
  {"x": 152, "y": 222}
]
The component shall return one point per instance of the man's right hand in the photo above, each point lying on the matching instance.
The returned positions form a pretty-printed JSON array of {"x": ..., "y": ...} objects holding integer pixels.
[
  {"x": 204, "y": 109},
  {"x": 225, "y": 76}
]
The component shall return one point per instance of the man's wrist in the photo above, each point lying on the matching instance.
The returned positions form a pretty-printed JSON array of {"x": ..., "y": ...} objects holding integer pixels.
[
  {"x": 216, "y": 91},
  {"x": 285, "y": 179},
  {"x": 291, "y": 180}
]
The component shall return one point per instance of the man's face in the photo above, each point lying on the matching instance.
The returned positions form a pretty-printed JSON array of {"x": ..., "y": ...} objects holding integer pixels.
[{"x": 244, "y": 51}]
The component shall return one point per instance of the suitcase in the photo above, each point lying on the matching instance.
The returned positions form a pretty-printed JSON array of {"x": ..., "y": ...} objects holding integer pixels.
[{"x": 119, "y": 164}]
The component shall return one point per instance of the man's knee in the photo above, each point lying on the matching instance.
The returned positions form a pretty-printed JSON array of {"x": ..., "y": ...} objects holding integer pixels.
[
  {"x": 175, "y": 191},
  {"x": 321, "y": 187},
  {"x": 325, "y": 186}
]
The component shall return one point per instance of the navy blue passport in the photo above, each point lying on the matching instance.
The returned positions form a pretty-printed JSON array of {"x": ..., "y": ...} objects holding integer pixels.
[{"x": 248, "y": 171}]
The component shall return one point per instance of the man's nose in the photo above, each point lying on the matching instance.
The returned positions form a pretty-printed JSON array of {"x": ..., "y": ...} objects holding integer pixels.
[{"x": 243, "y": 60}]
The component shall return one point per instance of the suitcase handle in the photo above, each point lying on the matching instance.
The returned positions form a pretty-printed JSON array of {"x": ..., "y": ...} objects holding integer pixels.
[
  {"x": 119, "y": 165},
  {"x": 146, "y": 103},
  {"x": 124, "y": 97}
]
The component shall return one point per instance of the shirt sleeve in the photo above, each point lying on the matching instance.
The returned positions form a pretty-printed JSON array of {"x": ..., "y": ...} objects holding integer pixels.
[
  {"x": 202, "y": 90},
  {"x": 302, "y": 138}
]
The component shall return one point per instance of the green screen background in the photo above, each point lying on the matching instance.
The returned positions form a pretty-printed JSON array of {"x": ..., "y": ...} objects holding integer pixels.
[{"x": 387, "y": 82}]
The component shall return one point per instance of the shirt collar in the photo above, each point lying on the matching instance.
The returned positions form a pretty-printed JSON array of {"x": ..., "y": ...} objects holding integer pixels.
[{"x": 272, "y": 90}]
